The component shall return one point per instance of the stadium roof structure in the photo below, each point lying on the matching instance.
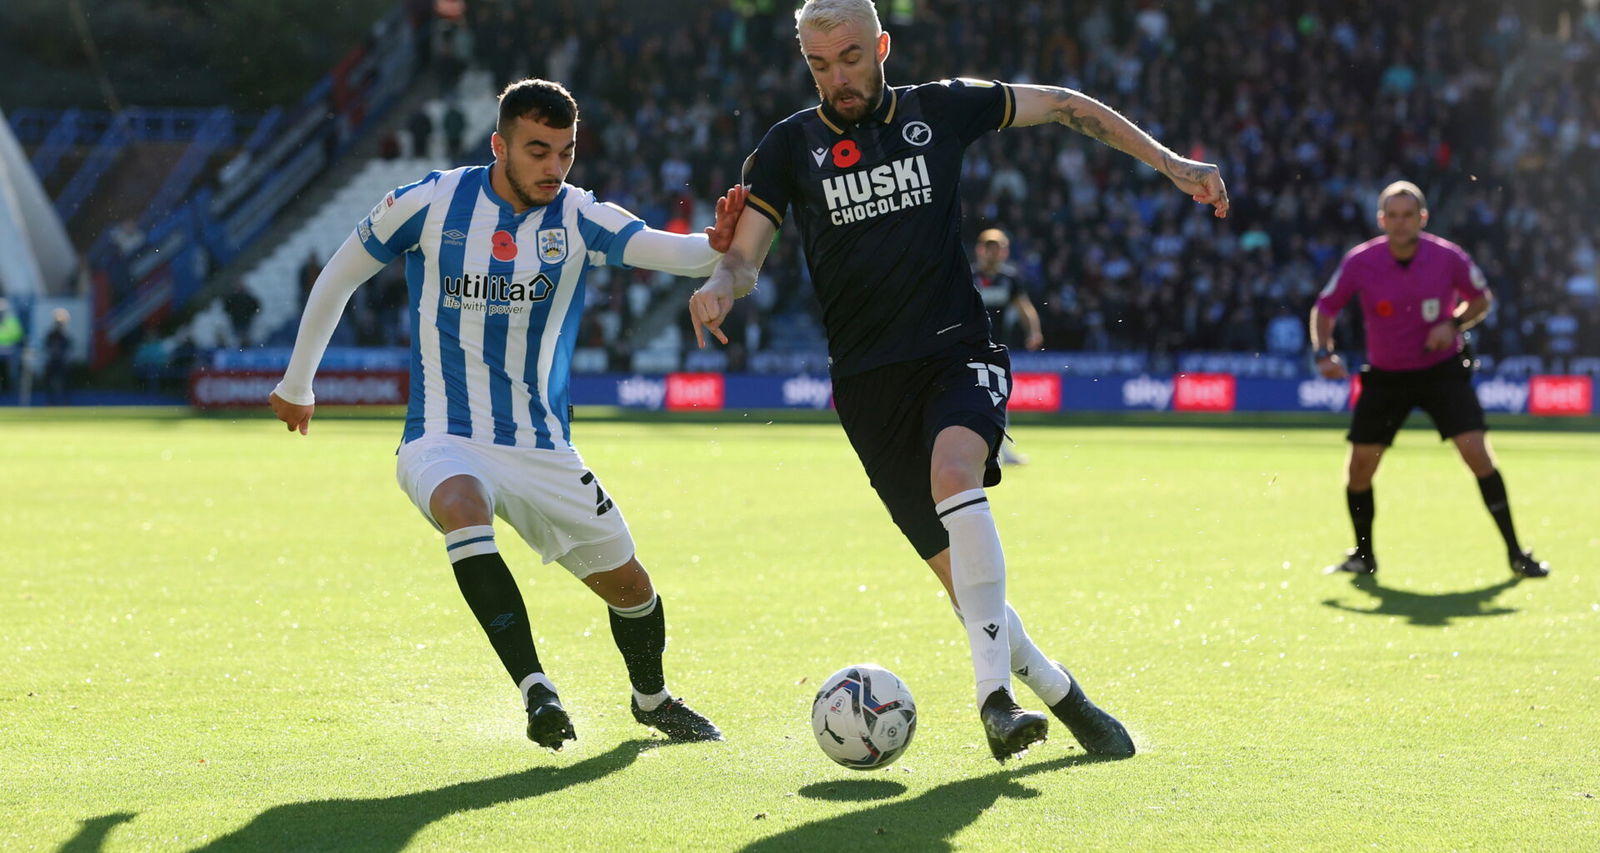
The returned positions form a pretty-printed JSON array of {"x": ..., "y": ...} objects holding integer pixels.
[{"x": 36, "y": 256}]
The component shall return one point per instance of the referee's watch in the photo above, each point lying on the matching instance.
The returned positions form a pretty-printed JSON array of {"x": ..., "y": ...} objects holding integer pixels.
[{"x": 1321, "y": 353}]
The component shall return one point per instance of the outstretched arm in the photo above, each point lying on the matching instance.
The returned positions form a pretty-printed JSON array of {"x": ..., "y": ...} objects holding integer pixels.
[
  {"x": 734, "y": 277},
  {"x": 1040, "y": 104},
  {"x": 691, "y": 255},
  {"x": 292, "y": 401}
]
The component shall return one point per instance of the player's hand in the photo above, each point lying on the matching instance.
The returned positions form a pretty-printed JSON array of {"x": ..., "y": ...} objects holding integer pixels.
[
  {"x": 297, "y": 417},
  {"x": 1442, "y": 336},
  {"x": 728, "y": 209},
  {"x": 1034, "y": 342},
  {"x": 709, "y": 306},
  {"x": 1332, "y": 367},
  {"x": 1202, "y": 181}
]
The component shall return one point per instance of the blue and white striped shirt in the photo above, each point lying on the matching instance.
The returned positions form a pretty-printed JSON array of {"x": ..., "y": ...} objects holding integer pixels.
[{"x": 496, "y": 298}]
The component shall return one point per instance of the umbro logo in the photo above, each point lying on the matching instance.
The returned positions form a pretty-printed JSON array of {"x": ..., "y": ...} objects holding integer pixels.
[
  {"x": 454, "y": 237},
  {"x": 502, "y": 622},
  {"x": 991, "y": 629},
  {"x": 1023, "y": 672},
  {"x": 819, "y": 154}
]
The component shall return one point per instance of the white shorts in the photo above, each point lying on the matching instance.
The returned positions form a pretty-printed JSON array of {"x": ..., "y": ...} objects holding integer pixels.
[{"x": 548, "y": 496}]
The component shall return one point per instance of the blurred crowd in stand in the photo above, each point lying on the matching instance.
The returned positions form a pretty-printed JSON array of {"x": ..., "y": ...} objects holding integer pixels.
[
  {"x": 1309, "y": 114},
  {"x": 1491, "y": 108}
]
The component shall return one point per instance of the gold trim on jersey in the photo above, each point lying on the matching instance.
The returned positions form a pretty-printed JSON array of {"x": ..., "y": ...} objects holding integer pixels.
[
  {"x": 831, "y": 126},
  {"x": 888, "y": 118},
  {"x": 765, "y": 207},
  {"x": 1011, "y": 107}
]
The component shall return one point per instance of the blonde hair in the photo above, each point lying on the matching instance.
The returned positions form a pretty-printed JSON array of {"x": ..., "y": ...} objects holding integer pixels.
[
  {"x": 1402, "y": 188},
  {"x": 824, "y": 15}
]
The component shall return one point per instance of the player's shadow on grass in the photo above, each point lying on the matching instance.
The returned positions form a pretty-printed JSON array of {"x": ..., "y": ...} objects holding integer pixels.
[
  {"x": 925, "y": 822},
  {"x": 92, "y": 832},
  {"x": 1426, "y": 609},
  {"x": 389, "y": 823}
]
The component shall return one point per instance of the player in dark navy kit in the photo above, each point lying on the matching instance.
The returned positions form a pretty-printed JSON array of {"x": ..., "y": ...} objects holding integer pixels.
[
  {"x": 872, "y": 175},
  {"x": 1418, "y": 293},
  {"x": 1003, "y": 291}
]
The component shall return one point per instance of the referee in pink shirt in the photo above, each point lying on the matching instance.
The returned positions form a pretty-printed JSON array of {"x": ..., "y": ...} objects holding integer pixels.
[{"x": 1418, "y": 293}]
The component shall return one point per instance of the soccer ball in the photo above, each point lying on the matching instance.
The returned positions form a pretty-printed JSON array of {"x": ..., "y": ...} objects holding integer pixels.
[{"x": 864, "y": 717}]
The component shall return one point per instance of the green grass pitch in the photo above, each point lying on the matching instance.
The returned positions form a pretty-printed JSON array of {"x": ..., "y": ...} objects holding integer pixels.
[{"x": 216, "y": 635}]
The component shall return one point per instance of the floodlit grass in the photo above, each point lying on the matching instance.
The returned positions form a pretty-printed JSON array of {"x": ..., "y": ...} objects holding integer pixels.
[{"x": 218, "y": 634}]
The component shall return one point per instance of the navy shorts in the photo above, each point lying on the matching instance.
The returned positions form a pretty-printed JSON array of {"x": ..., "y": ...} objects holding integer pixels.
[
  {"x": 1444, "y": 391},
  {"x": 893, "y": 413}
]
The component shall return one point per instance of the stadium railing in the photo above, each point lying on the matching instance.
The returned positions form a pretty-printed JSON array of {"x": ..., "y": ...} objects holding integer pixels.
[{"x": 216, "y": 222}]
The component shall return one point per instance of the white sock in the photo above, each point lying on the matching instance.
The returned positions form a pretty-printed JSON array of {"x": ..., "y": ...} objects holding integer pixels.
[
  {"x": 651, "y": 701},
  {"x": 464, "y": 542},
  {"x": 978, "y": 575},
  {"x": 638, "y": 611},
  {"x": 1029, "y": 663},
  {"x": 532, "y": 679}
]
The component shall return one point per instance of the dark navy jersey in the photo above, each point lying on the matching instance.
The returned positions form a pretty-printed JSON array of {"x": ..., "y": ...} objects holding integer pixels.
[
  {"x": 998, "y": 291},
  {"x": 879, "y": 211}
]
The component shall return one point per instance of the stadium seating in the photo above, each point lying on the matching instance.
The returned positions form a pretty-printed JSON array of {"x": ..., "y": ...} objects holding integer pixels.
[{"x": 1316, "y": 112}]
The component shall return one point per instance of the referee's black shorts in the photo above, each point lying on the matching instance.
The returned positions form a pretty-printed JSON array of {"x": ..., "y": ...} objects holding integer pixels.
[
  {"x": 1444, "y": 391},
  {"x": 893, "y": 413}
]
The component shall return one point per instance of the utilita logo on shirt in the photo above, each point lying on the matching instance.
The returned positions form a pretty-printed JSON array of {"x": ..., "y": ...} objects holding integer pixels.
[
  {"x": 866, "y": 193},
  {"x": 494, "y": 294}
]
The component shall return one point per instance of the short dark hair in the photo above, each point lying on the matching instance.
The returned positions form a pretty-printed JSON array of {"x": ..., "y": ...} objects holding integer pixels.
[{"x": 543, "y": 101}]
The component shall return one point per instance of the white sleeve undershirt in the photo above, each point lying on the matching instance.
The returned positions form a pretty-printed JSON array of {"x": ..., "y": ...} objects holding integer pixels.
[
  {"x": 346, "y": 270},
  {"x": 680, "y": 254},
  {"x": 688, "y": 255}
]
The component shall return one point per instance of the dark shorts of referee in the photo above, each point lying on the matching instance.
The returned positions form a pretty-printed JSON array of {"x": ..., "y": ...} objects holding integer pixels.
[
  {"x": 893, "y": 413},
  {"x": 1444, "y": 391}
]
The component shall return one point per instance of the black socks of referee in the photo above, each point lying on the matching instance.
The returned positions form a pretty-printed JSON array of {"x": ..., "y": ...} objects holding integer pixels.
[
  {"x": 1494, "y": 497},
  {"x": 1362, "y": 509},
  {"x": 495, "y": 600}
]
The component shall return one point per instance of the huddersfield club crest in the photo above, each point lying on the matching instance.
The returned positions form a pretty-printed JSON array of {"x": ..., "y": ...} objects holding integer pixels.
[{"x": 552, "y": 245}]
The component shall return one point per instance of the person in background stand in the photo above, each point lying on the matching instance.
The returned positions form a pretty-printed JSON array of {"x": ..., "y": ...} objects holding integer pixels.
[{"x": 1000, "y": 284}]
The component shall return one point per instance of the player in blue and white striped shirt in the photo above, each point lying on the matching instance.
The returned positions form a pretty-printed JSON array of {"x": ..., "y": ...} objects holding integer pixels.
[{"x": 496, "y": 259}]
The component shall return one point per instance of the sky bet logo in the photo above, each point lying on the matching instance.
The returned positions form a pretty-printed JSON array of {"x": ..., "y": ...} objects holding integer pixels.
[
  {"x": 494, "y": 294},
  {"x": 867, "y": 193}
]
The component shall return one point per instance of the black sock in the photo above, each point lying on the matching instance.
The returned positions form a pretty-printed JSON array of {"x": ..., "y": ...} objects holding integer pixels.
[
  {"x": 1362, "y": 509},
  {"x": 492, "y": 594},
  {"x": 1494, "y": 497},
  {"x": 642, "y": 639}
]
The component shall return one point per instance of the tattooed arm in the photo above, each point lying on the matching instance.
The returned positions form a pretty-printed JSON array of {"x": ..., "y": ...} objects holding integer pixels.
[{"x": 1040, "y": 104}]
